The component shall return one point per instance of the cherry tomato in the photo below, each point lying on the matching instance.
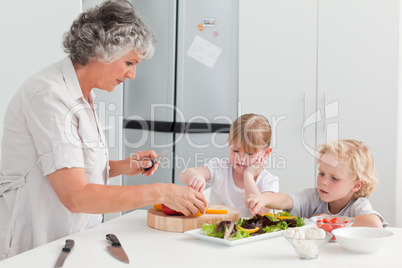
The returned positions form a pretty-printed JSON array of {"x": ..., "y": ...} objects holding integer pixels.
[
  {"x": 325, "y": 220},
  {"x": 327, "y": 228},
  {"x": 335, "y": 220},
  {"x": 346, "y": 221}
]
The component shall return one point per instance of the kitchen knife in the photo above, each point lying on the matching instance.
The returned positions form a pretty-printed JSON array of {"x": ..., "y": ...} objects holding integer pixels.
[
  {"x": 115, "y": 249},
  {"x": 64, "y": 253},
  {"x": 157, "y": 159}
]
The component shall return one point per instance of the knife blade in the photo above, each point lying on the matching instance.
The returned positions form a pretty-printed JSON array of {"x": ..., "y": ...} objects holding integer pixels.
[
  {"x": 64, "y": 253},
  {"x": 116, "y": 249},
  {"x": 157, "y": 159}
]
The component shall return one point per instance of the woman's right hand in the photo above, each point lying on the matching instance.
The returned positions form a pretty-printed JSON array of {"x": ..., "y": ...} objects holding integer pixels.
[
  {"x": 137, "y": 162},
  {"x": 184, "y": 199}
]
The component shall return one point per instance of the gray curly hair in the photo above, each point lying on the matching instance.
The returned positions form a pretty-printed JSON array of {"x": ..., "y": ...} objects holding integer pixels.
[{"x": 107, "y": 32}]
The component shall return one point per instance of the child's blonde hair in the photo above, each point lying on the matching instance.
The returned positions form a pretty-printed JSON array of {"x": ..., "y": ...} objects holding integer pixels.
[
  {"x": 358, "y": 161},
  {"x": 251, "y": 132}
]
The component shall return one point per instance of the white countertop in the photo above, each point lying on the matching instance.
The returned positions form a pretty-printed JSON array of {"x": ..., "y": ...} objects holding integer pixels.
[{"x": 148, "y": 247}]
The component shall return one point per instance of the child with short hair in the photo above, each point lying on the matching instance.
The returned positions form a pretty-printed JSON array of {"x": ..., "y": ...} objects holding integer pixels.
[
  {"x": 244, "y": 173},
  {"x": 346, "y": 177}
]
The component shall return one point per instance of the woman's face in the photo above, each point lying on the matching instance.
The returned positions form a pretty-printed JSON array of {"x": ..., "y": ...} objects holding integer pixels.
[{"x": 112, "y": 74}]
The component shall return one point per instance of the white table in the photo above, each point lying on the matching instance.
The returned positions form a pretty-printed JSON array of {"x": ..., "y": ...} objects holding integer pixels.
[{"x": 147, "y": 247}]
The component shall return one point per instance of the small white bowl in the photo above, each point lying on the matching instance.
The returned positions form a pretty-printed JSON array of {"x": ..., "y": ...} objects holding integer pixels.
[
  {"x": 362, "y": 239},
  {"x": 307, "y": 248}
]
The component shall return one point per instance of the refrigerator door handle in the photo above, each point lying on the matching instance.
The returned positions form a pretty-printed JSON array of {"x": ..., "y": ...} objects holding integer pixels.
[
  {"x": 177, "y": 127},
  {"x": 159, "y": 126},
  {"x": 194, "y": 127}
]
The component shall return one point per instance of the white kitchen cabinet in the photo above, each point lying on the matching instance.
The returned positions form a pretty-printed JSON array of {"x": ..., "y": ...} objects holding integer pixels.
[
  {"x": 277, "y": 78},
  {"x": 334, "y": 63}
]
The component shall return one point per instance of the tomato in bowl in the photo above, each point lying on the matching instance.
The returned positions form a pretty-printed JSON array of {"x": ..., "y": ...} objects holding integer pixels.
[{"x": 330, "y": 223}]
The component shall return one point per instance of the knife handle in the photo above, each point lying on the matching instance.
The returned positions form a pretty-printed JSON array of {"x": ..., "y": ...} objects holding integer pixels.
[
  {"x": 148, "y": 168},
  {"x": 69, "y": 245},
  {"x": 113, "y": 239}
]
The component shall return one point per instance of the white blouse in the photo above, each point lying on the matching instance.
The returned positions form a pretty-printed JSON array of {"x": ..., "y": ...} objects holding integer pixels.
[{"x": 48, "y": 126}]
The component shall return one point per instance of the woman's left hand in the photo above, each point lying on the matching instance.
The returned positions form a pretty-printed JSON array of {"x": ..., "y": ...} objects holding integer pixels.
[{"x": 137, "y": 162}]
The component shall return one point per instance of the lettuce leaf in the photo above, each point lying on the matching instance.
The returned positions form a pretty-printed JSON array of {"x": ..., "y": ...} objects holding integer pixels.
[
  {"x": 209, "y": 230},
  {"x": 278, "y": 227},
  {"x": 299, "y": 222},
  {"x": 239, "y": 234}
]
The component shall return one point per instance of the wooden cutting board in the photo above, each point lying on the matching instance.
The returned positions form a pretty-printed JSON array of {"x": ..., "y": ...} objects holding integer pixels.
[{"x": 174, "y": 223}]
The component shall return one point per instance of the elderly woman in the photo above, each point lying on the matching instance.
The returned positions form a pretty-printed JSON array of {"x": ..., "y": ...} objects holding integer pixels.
[{"x": 55, "y": 161}]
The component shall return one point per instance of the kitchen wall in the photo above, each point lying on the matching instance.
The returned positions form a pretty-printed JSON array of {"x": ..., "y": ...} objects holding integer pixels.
[{"x": 31, "y": 36}]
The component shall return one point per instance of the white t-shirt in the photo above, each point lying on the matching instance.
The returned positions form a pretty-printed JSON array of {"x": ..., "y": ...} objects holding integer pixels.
[
  {"x": 308, "y": 203},
  {"x": 48, "y": 126},
  {"x": 225, "y": 192}
]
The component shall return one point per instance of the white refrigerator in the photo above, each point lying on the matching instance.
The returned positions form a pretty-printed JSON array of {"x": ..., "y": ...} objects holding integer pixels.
[{"x": 185, "y": 98}]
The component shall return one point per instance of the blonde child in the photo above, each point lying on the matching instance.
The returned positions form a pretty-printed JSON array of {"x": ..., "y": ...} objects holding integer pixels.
[
  {"x": 244, "y": 173},
  {"x": 346, "y": 178}
]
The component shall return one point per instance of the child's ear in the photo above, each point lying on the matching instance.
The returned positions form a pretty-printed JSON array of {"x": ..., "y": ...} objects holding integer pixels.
[
  {"x": 358, "y": 185},
  {"x": 267, "y": 152}
]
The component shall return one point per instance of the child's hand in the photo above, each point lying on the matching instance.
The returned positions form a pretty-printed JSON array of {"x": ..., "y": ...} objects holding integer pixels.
[
  {"x": 197, "y": 183},
  {"x": 255, "y": 169},
  {"x": 255, "y": 202}
]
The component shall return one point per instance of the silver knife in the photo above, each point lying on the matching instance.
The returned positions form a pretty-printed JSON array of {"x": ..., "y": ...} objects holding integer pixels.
[
  {"x": 157, "y": 159},
  {"x": 115, "y": 249},
  {"x": 64, "y": 253}
]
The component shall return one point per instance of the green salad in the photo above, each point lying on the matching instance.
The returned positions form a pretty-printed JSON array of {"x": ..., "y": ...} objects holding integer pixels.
[{"x": 259, "y": 224}]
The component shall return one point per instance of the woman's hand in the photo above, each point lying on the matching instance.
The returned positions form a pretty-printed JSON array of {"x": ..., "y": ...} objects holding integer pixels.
[
  {"x": 137, "y": 162},
  {"x": 184, "y": 199}
]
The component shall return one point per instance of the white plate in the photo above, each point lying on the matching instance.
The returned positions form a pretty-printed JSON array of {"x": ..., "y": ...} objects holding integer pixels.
[{"x": 198, "y": 233}]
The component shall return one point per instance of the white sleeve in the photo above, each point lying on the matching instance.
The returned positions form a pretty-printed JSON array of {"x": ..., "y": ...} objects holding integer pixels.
[{"x": 51, "y": 133}]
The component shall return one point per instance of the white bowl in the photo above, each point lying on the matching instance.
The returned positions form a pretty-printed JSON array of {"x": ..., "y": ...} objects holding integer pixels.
[
  {"x": 362, "y": 239},
  {"x": 329, "y": 223}
]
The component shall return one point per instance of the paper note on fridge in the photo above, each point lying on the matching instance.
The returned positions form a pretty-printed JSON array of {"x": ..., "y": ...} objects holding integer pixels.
[{"x": 204, "y": 51}]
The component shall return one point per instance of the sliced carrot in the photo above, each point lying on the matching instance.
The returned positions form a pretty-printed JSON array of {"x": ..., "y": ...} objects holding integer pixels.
[
  {"x": 216, "y": 211},
  {"x": 268, "y": 214}
]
